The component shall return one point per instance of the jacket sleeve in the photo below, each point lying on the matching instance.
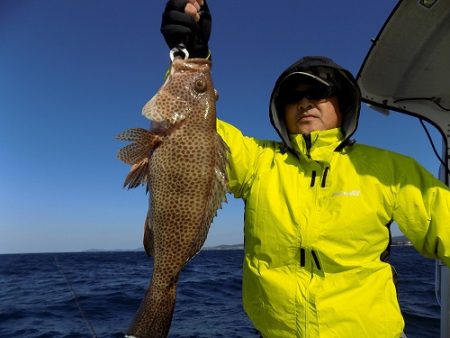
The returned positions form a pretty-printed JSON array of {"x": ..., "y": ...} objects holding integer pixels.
[
  {"x": 422, "y": 211},
  {"x": 242, "y": 157}
]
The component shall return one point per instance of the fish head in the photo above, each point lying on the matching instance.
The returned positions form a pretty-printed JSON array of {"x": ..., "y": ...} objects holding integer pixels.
[{"x": 187, "y": 91}]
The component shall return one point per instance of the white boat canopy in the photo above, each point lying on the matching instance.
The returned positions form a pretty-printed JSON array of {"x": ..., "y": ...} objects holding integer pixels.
[{"x": 408, "y": 67}]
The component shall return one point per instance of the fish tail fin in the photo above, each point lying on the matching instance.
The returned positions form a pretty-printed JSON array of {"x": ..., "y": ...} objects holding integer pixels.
[{"x": 155, "y": 313}]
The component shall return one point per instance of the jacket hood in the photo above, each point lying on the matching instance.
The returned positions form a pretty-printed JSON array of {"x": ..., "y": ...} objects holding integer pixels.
[{"x": 329, "y": 73}]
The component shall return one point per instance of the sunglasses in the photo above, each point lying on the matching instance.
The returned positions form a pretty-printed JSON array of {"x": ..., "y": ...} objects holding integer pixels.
[{"x": 313, "y": 93}]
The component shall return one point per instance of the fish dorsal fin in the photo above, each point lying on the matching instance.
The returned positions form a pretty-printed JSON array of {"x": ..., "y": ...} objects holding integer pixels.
[
  {"x": 219, "y": 189},
  {"x": 144, "y": 142},
  {"x": 137, "y": 154},
  {"x": 221, "y": 181},
  {"x": 138, "y": 175},
  {"x": 139, "y": 135}
]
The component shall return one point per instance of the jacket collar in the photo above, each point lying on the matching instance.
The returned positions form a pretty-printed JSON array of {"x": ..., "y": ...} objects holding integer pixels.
[{"x": 319, "y": 145}]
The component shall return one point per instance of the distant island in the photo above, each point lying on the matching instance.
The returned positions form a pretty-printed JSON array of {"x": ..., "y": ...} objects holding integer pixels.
[
  {"x": 401, "y": 241},
  {"x": 396, "y": 241},
  {"x": 225, "y": 247}
]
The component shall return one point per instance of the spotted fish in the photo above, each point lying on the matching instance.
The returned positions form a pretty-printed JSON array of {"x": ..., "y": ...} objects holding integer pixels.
[{"x": 182, "y": 161}]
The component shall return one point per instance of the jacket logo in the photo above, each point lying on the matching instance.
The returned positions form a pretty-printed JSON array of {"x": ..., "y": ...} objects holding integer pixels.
[{"x": 354, "y": 193}]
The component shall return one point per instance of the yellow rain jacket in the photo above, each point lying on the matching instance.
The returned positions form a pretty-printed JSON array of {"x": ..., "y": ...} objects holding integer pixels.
[{"x": 316, "y": 224}]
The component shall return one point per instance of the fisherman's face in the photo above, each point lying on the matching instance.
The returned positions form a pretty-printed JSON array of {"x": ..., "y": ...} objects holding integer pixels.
[{"x": 304, "y": 115}]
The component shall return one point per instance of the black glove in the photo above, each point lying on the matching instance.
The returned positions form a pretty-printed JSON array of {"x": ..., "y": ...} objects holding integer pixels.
[{"x": 178, "y": 28}]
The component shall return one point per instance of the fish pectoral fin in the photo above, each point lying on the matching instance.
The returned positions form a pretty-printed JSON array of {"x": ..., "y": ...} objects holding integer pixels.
[
  {"x": 148, "y": 237},
  {"x": 144, "y": 142},
  {"x": 138, "y": 174}
]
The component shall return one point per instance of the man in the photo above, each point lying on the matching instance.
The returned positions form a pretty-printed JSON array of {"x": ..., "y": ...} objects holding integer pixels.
[{"x": 317, "y": 205}]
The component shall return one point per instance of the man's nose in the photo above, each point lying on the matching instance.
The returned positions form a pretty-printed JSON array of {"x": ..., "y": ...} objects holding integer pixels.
[{"x": 304, "y": 104}]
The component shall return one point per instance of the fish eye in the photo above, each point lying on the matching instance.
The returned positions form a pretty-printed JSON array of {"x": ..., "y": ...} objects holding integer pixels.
[{"x": 200, "y": 85}]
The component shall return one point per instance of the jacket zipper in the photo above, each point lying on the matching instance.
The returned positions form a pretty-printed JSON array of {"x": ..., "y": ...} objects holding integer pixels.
[
  {"x": 307, "y": 298},
  {"x": 307, "y": 139}
]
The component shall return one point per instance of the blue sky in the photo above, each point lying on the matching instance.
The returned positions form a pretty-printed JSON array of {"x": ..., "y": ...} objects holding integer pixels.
[{"x": 76, "y": 73}]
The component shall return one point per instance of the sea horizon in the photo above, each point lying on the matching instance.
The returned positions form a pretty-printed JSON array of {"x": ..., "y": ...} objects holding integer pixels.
[{"x": 396, "y": 241}]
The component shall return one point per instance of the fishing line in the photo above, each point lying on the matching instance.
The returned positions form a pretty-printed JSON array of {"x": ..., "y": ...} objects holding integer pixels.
[
  {"x": 437, "y": 102},
  {"x": 447, "y": 170},
  {"x": 75, "y": 298}
]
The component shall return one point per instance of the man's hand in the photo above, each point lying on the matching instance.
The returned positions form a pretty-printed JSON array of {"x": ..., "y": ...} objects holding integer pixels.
[
  {"x": 187, "y": 22},
  {"x": 192, "y": 8}
]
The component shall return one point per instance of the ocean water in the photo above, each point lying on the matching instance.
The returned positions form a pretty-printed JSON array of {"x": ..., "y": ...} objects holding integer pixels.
[{"x": 97, "y": 294}]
